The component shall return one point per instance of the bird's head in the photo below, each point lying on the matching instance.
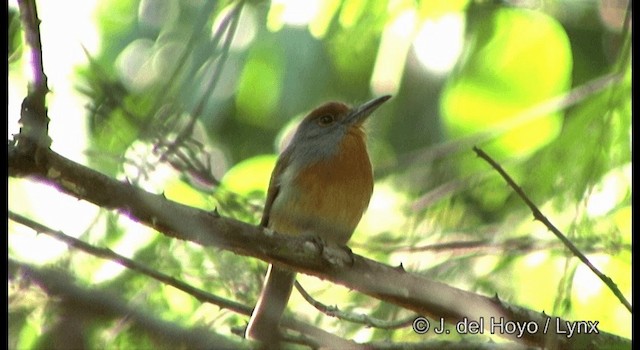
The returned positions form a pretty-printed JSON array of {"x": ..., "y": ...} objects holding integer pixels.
[{"x": 322, "y": 131}]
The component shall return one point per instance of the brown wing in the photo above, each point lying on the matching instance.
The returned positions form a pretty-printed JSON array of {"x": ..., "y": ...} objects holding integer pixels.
[{"x": 274, "y": 186}]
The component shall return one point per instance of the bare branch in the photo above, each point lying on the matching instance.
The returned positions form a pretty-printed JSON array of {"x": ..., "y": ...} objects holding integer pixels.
[
  {"x": 133, "y": 265},
  {"x": 315, "y": 336},
  {"x": 95, "y": 303},
  {"x": 33, "y": 116},
  {"x": 537, "y": 214},
  {"x": 451, "y": 147},
  {"x": 516, "y": 245},
  {"x": 387, "y": 283},
  {"x": 227, "y": 28},
  {"x": 364, "y": 319}
]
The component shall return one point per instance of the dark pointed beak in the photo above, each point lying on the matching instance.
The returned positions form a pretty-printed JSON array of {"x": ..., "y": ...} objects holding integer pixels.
[{"x": 359, "y": 114}]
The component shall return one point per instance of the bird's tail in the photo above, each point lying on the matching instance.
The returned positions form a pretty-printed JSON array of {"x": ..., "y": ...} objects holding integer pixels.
[{"x": 263, "y": 325}]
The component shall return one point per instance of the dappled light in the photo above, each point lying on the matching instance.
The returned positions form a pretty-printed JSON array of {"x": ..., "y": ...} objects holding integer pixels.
[{"x": 187, "y": 105}]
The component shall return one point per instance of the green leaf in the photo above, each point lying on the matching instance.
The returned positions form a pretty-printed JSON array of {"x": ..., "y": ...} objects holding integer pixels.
[
  {"x": 510, "y": 67},
  {"x": 250, "y": 176}
]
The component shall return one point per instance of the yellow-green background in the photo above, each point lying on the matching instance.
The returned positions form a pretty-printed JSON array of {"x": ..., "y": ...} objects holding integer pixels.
[{"x": 572, "y": 156}]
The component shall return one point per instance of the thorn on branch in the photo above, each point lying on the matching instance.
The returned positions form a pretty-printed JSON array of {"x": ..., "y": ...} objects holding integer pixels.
[
  {"x": 537, "y": 214},
  {"x": 497, "y": 299},
  {"x": 334, "y": 311}
]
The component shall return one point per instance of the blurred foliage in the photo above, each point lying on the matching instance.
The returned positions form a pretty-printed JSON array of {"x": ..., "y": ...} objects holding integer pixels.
[
  {"x": 509, "y": 68},
  {"x": 14, "y": 35},
  {"x": 188, "y": 97}
]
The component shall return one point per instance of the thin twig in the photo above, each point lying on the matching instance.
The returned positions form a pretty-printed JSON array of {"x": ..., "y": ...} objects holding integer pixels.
[
  {"x": 333, "y": 311},
  {"x": 537, "y": 214},
  {"x": 95, "y": 304},
  {"x": 209, "y": 229},
  {"x": 287, "y": 322},
  {"x": 508, "y": 246},
  {"x": 539, "y": 110},
  {"x": 228, "y": 26},
  {"x": 200, "y": 25},
  {"x": 133, "y": 265}
]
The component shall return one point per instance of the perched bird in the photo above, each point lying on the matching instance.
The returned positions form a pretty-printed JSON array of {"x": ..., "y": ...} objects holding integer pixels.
[{"x": 321, "y": 185}]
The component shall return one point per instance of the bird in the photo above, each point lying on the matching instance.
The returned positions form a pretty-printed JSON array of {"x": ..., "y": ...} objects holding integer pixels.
[{"x": 321, "y": 186}]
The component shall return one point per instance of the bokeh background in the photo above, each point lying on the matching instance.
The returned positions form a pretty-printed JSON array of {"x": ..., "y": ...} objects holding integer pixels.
[{"x": 194, "y": 99}]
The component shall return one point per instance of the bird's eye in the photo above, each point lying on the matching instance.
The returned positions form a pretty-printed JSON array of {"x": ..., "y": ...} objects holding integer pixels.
[{"x": 326, "y": 120}]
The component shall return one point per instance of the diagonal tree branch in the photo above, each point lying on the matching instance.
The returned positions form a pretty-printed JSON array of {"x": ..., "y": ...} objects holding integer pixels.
[
  {"x": 402, "y": 288},
  {"x": 98, "y": 304},
  {"x": 131, "y": 264},
  {"x": 537, "y": 214},
  {"x": 33, "y": 116},
  {"x": 319, "y": 336},
  {"x": 364, "y": 319},
  {"x": 399, "y": 287}
]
